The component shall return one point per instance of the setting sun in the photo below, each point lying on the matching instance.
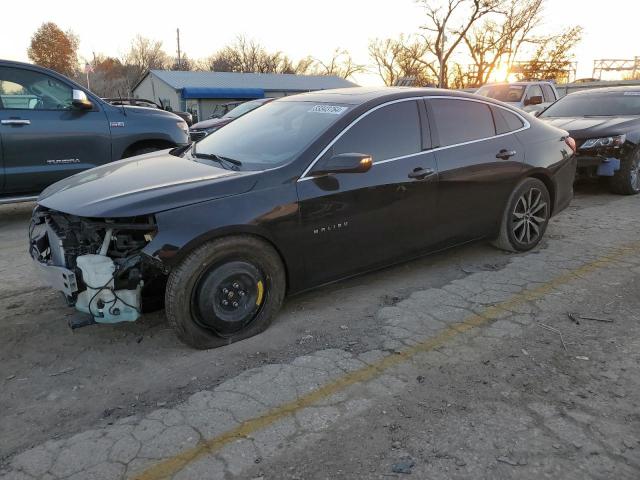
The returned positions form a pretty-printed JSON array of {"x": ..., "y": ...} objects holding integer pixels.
[{"x": 502, "y": 74}]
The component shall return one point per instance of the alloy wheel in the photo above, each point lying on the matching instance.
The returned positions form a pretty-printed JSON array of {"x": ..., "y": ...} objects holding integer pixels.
[{"x": 529, "y": 216}]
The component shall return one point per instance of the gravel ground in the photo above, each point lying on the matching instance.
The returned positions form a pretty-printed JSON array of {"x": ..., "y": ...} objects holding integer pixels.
[{"x": 435, "y": 369}]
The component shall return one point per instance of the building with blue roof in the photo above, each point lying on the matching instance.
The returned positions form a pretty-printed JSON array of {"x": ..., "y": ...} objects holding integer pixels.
[{"x": 200, "y": 92}]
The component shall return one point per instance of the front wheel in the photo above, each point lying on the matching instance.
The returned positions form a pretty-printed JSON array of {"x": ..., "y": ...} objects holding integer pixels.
[
  {"x": 226, "y": 290},
  {"x": 626, "y": 181},
  {"x": 525, "y": 217}
]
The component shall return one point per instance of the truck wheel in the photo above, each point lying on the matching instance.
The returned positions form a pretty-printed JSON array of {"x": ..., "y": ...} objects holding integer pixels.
[
  {"x": 227, "y": 290},
  {"x": 626, "y": 181},
  {"x": 525, "y": 217}
]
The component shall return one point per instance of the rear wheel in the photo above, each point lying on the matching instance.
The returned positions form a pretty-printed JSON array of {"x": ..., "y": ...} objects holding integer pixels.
[
  {"x": 525, "y": 218},
  {"x": 227, "y": 290},
  {"x": 626, "y": 181}
]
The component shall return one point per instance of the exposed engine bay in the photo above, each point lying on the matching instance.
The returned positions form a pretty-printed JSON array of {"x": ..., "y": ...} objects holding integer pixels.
[{"x": 97, "y": 264}]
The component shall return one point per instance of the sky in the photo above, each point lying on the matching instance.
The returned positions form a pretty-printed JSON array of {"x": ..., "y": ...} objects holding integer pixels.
[{"x": 297, "y": 28}]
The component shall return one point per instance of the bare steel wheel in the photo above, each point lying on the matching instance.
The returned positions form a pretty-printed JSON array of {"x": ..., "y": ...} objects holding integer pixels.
[
  {"x": 526, "y": 216},
  {"x": 226, "y": 290}
]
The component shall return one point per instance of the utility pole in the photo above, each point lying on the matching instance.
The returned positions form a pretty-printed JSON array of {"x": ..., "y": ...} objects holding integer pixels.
[{"x": 179, "y": 59}]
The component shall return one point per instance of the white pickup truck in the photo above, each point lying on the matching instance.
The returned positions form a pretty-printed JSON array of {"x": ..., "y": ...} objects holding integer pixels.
[{"x": 531, "y": 96}]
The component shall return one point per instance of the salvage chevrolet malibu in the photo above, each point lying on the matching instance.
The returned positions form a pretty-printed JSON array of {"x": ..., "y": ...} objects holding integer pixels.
[{"x": 303, "y": 191}]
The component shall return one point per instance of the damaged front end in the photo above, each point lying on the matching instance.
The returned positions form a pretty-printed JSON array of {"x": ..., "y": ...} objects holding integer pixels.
[
  {"x": 97, "y": 263},
  {"x": 601, "y": 157}
]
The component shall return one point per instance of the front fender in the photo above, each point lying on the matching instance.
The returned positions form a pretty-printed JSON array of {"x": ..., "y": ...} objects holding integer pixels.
[{"x": 269, "y": 214}]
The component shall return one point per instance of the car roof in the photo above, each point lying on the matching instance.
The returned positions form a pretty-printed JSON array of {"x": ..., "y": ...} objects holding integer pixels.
[
  {"x": 523, "y": 82},
  {"x": 624, "y": 88},
  {"x": 361, "y": 95}
]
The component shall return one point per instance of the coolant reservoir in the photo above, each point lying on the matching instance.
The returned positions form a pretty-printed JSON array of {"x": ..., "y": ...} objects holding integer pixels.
[{"x": 99, "y": 299}]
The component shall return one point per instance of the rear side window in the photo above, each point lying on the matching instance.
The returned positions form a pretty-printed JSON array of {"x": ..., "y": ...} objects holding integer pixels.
[
  {"x": 534, "y": 91},
  {"x": 549, "y": 96},
  {"x": 460, "y": 121},
  {"x": 506, "y": 121},
  {"x": 389, "y": 132}
]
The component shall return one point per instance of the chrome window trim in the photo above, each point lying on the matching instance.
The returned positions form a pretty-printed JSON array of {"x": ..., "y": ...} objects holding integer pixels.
[{"x": 526, "y": 123}]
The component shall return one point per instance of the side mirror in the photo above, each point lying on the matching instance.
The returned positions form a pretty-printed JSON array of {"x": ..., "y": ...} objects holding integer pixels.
[
  {"x": 345, "y": 163},
  {"x": 80, "y": 100},
  {"x": 535, "y": 100}
]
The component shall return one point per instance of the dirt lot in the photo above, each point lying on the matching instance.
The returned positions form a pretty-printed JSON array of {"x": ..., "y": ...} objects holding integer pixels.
[{"x": 428, "y": 389}]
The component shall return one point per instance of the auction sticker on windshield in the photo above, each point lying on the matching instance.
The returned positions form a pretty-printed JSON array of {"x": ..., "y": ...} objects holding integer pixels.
[{"x": 333, "y": 109}]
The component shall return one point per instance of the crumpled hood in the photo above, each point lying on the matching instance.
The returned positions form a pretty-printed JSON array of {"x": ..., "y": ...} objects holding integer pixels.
[
  {"x": 212, "y": 122},
  {"x": 143, "y": 185},
  {"x": 593, "y": 127}
]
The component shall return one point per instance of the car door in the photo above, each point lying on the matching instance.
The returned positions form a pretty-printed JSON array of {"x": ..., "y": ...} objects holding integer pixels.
[
  {"x": 479, "y": 163},
  {"x": 44, "y": 138},
  {"x": 356, "y": 221}
]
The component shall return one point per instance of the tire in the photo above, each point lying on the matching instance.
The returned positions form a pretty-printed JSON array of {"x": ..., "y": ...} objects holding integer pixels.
[
  {"x": 626, "y": 181},
  {"x": 240, "y": 269},
  {"x": 525, "y": 217}
]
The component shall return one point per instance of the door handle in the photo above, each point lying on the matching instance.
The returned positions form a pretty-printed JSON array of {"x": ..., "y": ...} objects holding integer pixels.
[
  {"x": 505, "y": 154},
  {"x": 420, "y": 173},
  {"x": 15, "y": 121}
]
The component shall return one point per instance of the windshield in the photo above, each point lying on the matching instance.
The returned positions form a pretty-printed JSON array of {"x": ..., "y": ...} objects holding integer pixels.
[
  {"x": 504, "y": 93},
  {"x": 273, "y": 134},
  {"x": 242, "y": 109},
  {"x": 596, "y": 104}
]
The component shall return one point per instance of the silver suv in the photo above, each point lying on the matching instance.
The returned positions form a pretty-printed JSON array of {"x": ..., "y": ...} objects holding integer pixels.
[{"x": 532, "y": 97}]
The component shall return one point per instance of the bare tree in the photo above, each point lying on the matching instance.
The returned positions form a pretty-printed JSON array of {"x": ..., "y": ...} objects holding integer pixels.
[
  {"x": 108, "y": 77},
  {"x": 487, "y": 46},
  {"x": 340, "y": 64},
  {"x": 552, "y": 59},
  {"x": 185, "y": 64},
  {"x": 447, "y": 26},
  {"x": 400, "y": 59},
  {"x": 247, "y": 56},
  {"x": 145, "y": 54},
  {"x": 522, "y": 18}
]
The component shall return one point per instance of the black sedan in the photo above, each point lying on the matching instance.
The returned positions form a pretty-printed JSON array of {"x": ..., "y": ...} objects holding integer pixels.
[
  {"x": 303, "y": 191},
  {"x": 605, "y": 124}
]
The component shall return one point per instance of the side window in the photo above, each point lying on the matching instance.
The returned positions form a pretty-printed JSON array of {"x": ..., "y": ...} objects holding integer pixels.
[
  {"x": 549, "y": 96},
  {"x": 460, "y": 121},
  {"x": 29, "y": 90},
  {"x": 534, "y": 91},
  {"x": 506, "y": 121},
  {"x": 389, "y": 132}
]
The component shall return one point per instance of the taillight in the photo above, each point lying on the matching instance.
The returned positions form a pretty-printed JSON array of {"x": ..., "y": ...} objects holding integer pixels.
[{"x": 571, "y": 143}]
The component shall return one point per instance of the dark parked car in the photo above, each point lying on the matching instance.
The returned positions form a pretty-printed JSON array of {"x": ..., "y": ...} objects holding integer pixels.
[
  {"x": 141, "y": 102},
  {"x": 306, "y": 190},
  {"x": 605, "y": 124},
  {"x": 51, "y": 128},
  {"x": 204, "y": 128},
  {"x": 221, "y": 109}
]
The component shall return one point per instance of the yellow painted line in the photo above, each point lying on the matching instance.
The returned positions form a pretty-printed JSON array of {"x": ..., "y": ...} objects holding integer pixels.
[{"x": 169, "y": 467}]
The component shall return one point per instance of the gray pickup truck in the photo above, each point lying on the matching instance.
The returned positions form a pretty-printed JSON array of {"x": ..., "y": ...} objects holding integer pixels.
[
  {"x": 531, "y": 96},
  {"x": 51, "y": 128}
]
